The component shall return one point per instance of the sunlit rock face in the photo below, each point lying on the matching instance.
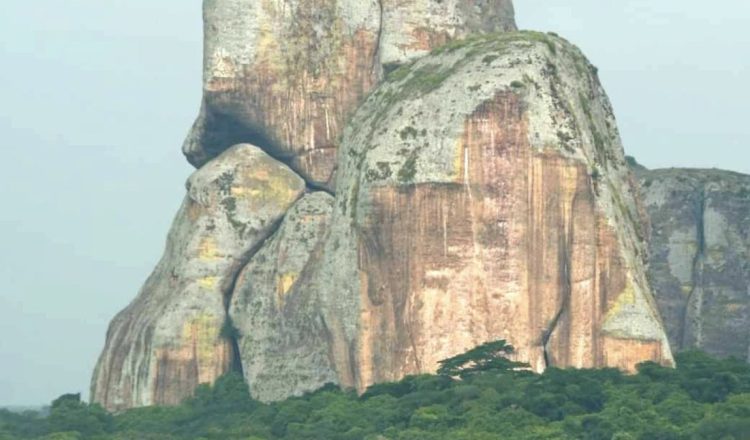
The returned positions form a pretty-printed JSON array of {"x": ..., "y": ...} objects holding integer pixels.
[
  {"x": 287, "y": 74},
  {"x": 483, "y": 194},
  {"x": 700, "y": 257},
  {"x": 167, "y": 341}
]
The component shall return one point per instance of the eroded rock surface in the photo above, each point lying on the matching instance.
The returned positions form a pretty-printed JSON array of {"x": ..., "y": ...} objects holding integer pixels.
[
  {"x": 700, "y": 257},
  {"x": 287, "y": 74},
  {"x": 282, "y": 344},
  {"x": 167, "y": 341},
  {"x": 482, "y": 195},
  {"x": 412, "y": 28}
]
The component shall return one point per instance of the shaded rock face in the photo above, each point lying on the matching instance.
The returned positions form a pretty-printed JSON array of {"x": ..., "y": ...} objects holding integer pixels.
[
  {"x": 700, "y": 257},
  {"x": 167, "y": 341},
  {"x": 282, "y": 346},
  {"x": 482, "y": 195},
  {"x": 286, "y": 74}
]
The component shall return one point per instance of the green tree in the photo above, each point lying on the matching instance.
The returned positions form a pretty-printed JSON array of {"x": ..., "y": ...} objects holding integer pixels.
[
  {"x": 69, "y": 414},
  {"x": 486, "y": 357}
]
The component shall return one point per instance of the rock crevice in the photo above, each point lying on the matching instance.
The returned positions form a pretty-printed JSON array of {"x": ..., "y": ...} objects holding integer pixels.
[{"x": 691, "y": 332}]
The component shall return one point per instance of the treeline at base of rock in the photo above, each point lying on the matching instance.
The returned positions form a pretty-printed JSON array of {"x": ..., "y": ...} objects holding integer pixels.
[{"x": 703, "y": 398}]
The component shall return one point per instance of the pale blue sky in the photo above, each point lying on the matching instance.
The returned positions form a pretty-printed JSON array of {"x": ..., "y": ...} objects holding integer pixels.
[{"x": 96, "y": 97}]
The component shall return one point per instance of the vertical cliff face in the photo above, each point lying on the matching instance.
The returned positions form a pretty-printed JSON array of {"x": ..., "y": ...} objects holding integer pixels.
[
  {"x": 286, "y": 74},
  {"x": 167, "y": 341},
  {"x": 700, "y": 257},
  {"x": 483, "y": 195}
]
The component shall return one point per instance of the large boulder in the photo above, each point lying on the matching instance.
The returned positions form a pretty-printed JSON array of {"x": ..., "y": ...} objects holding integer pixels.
[
  {"x": 282, "y": 348},
  {"x": 483, "y": 194},
  {"x": 168, "y": 340},
  {"x": 287, "y": 74},
  {"x": 700, "y": 257}
]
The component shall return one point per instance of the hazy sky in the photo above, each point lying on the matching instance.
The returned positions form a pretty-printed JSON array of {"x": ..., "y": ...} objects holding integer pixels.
[{"x": 96, "y": 97}]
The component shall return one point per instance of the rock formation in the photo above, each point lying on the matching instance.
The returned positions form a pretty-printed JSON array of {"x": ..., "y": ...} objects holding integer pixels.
[
  {"x": 700, "y": 257},
  {"x": 286, "y": 74},
  {"x": 168, "y": 341},
  {"x": 481, "y": 194}
]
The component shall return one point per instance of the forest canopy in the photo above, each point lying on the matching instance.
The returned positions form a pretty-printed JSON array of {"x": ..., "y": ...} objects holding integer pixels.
[{"x": 480, "y": 395}]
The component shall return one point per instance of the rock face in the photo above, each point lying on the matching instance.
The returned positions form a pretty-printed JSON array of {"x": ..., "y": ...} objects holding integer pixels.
[
  {"x": 700, "y": 257},
  {"x": 412, "y": 28},
  {"x": 286, "y": 74},
  {"x": 483, "y": 194},
  {"x": 167, "y": 341},
  {"x": 283, "y": 351}
]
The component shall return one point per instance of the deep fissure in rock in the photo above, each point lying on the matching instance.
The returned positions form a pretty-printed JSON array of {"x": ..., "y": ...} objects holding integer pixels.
[
  {"x": 376, "y": 65},
  {"x": 567, "y": 288},
  {"x": 692, "y": 305}
]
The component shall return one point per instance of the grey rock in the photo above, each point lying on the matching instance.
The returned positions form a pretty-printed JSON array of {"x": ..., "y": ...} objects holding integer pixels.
[
  {"x": 282, "y": 345},
  {"x": 167, "y": 341},
  {"x": 700, "y": 257}
]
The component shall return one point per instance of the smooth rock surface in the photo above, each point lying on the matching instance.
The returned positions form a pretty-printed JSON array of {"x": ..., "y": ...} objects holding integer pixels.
[
  {"x": 168, "y": 341},
  {"x": 282, "y": 347},
  {"x": 483, "y": 194},
  {"x": 700, "y": 257}
]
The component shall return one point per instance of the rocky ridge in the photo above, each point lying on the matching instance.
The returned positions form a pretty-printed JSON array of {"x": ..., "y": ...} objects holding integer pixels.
[{"x": 481, "y": 193}]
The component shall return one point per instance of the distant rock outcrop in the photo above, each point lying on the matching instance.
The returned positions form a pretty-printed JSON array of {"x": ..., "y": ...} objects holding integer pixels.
[
  {"x": 481, "y": 193},
  {"x": 700, "y": 257}
]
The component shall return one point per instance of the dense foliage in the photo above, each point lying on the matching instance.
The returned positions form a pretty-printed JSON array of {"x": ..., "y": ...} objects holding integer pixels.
[{"x": 703, "y": 398}]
